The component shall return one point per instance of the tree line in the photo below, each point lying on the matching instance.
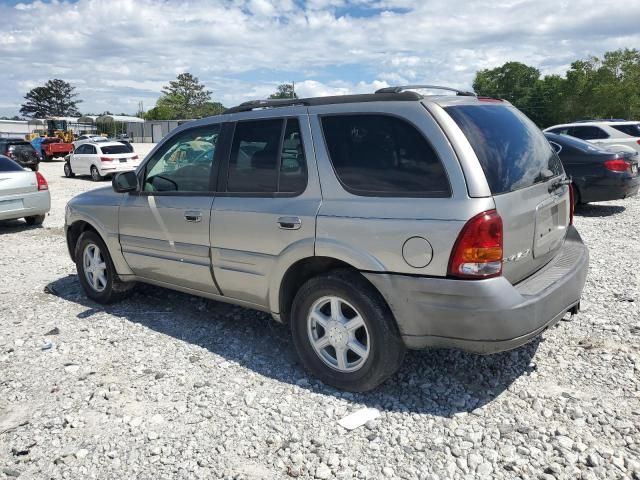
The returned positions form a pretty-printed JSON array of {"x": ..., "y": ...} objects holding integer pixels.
[{"x": 607, "y": 87}]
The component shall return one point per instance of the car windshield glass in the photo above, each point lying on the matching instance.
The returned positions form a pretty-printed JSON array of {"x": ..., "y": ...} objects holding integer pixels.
[
  {"x": 512, "y": 150},
  {"x": 114, "y": 149},
  {"x": 20, "y": 146},
  {"x": 8, "y": 165}
]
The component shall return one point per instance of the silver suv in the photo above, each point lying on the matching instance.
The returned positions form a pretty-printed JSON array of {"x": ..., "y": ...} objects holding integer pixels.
[{"x": 368, "y": 223}]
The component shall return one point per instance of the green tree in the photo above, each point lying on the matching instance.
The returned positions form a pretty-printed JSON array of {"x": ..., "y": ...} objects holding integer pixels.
[
  {"x": 183, "y": 98},
  {"x": 284, "y": 90},
  {"x": 56, "y": 98},
  {"x": 513, "y": 81}
]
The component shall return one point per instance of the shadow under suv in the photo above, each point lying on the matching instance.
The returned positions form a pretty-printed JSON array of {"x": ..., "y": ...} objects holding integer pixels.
[{"x": 368, "y": 223}]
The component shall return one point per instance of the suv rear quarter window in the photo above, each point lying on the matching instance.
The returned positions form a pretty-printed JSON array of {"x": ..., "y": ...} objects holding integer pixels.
[
  {"x": 629, "y": 129},
  {"x": 383, "y": 155}
]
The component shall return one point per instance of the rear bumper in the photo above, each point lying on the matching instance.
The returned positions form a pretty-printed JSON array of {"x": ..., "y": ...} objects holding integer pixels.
[
  {"x": 486, "y": 316},
  {"x": 117, "y": 168},
  {"x": 611, "y": 187},
  {"x": 37, "y": 203}
]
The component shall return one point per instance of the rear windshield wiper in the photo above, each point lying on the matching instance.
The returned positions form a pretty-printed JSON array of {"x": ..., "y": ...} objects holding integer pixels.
[{"x": 559, "y": 183}]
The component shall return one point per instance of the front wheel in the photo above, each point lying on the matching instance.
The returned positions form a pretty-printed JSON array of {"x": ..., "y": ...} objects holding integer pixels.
[
  {"x": 344, "y": 332},
  {"x": 96, "y": 272},
  {"x": 95, "y": 174}
]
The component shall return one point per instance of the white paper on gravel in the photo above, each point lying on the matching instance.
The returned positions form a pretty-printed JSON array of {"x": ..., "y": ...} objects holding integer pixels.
[{"x": 358, "y": 418}]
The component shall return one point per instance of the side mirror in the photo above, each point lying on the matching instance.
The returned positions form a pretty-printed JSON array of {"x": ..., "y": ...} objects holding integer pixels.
[{"x": 124, "y": 182}]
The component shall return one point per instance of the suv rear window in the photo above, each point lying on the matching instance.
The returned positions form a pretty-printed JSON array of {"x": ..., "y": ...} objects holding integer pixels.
[
  {"x": 633, "y": 130},
  {"x": 588, "y": 133},
  {"x": 382, "y": 155},
  {"x": 512, "y": 150},
  {"x": 115, "y": 149},
  {"x": 20, "y": 145}
]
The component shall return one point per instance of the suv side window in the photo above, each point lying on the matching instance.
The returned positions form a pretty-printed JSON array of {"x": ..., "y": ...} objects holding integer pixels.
[
  {"x": 184, "y": 163},
  {"x": 264, "y": 159},
  {"x": 588, "y": 133},
  {"x": 91, "y": 150},
  {"x": 383, "y": 155}
]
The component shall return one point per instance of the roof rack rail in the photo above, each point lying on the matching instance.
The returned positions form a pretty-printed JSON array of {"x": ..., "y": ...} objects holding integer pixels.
[
  {"x": 402, "y": 88},
  {"x": 270, "y": 103}
]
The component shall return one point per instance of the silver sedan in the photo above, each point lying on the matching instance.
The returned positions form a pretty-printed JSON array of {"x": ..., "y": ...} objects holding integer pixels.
[{"x": 23, "y": 193}]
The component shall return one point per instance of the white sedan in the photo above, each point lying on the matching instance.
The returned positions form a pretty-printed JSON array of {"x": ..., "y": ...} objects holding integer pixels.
[
  {"x": 23, "y": 193},
  {"x": 100, "y": 160}
]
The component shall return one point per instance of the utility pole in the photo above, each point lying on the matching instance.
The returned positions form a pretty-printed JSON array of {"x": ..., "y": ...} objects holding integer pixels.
[{"x": 293, "y": 89}]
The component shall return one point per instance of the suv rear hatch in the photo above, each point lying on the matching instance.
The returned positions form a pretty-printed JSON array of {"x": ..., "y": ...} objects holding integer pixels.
[{"x": 526, "y": 180}]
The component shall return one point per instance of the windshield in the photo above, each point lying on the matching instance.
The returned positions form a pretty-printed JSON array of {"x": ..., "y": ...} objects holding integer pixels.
[{"x": 512, "y": 150}]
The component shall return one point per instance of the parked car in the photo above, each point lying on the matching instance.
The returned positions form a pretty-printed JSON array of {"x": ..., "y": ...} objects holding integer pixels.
[
  {"x": 89, "y": 139},
  {"x": 100, "y": 160},
  {"x": 23, "y": 193},
  {"x": 608, "y": 134},
  {"x": 367, "y": 223},
  {"x": 21, "y": 151},
  {"x": 597, "y": 174},
  {"x": 52, "y": 147}
]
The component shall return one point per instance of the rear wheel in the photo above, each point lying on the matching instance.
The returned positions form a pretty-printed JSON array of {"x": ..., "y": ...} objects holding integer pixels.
[
  {"x": 95, "y": 174},
  {"x": 96, "y": 272},
  {"x": 34, "y": 220},
  {"x": 67, "y": 170},
  {"x": 344, "y": 332}
]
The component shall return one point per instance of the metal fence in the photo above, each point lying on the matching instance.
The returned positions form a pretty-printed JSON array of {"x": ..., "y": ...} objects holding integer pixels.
[{"x": 151, "y": 131}]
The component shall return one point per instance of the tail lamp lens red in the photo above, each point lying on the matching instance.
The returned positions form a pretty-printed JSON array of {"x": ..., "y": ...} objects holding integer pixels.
[
  {"x": 478, "y": 250},
  {"x": 572, "y": 203},
  {"x": 106, "y": 159},
  {"x": 617, "y": 165},
  {"x": 42, "y": 183}
]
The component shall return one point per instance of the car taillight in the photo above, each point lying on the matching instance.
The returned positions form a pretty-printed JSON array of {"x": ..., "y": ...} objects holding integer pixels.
[
  {"x": 617, "y": 165},
  {"x": 106, "y": 159},
  {"x": 572, "y": 203},
  {"x": 638, "y": 141},
  {"x": 42, "y": 183},
  {"x": 135, "y": 157},
  {"x": 478, "y": 249},
  {"x": 9, "y": 153}
]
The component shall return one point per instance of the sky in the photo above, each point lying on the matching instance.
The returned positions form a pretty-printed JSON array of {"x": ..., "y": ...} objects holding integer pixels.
[{"x": 118, "y": 53}]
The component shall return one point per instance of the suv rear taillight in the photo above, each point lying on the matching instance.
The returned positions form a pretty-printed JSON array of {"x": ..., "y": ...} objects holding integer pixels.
[
  {"x": 617, "y": 165},
  {"x": 572, "y": 203},
  {"x": 106, "y": 159},
  {"x": 42, "y": 183},
  {"x": 478, "y": 249}
]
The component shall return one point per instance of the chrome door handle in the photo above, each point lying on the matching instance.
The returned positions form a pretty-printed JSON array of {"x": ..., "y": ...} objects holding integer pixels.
[
  {"x": 193, "y": 216},
  {"x": 289, "y": 223}
]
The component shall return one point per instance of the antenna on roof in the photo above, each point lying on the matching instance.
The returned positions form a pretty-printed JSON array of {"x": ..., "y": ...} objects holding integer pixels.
[{"x": 402, "y": 88}]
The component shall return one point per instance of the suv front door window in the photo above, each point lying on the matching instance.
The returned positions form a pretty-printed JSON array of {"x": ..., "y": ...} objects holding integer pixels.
[{"x": 164, "y": 229}]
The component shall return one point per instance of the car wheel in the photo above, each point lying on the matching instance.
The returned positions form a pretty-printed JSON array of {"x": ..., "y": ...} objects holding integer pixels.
[
  {"x": 34, "y": 220},
  {"x": 67, "y": 170},
  {"x": 95, "y": 174},
  {"x": 344, "y": 332},
  {"x": 96, "y": 272}
]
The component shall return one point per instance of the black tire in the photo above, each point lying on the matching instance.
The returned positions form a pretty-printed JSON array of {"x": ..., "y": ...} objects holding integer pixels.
[
  {"x": 114, "y": 289},
  {"x": 95, "y": 174},
  {"x": 387, "y": 349},
  {"x": 34, "y": 220},
  {"x": 67, "y": 170}
]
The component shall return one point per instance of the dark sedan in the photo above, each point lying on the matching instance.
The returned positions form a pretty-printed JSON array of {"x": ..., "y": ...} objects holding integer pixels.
[{"x": 598, "y": 175}]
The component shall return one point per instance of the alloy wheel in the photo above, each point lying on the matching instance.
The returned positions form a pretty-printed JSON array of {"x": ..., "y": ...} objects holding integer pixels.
[
  {"x": 338, "y": 334},
  {"x": 94, "y": 267}
]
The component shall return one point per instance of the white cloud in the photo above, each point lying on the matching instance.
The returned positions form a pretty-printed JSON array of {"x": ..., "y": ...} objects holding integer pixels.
[{"x": 118, "y": 52}]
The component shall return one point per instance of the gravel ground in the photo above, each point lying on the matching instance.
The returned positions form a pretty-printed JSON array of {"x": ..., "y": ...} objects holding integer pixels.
[{"x": 165, "y": 385}]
